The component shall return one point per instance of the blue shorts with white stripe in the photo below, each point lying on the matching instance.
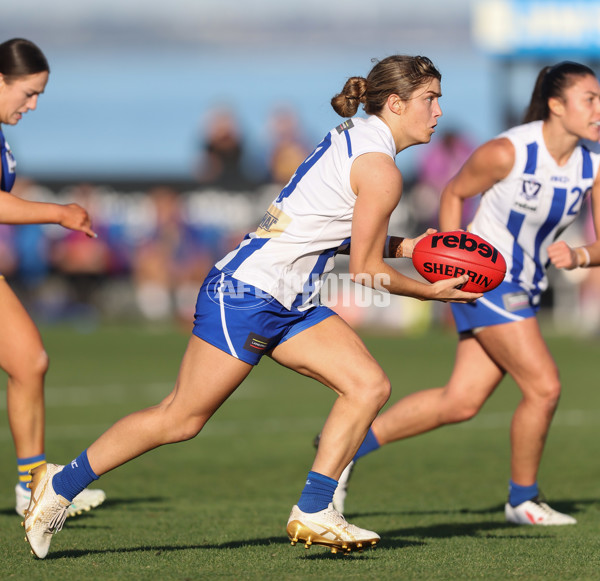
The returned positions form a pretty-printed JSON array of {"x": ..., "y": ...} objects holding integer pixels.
[
  {"x": 506, "y": 303},
  {"x": 245, "y": 321}
]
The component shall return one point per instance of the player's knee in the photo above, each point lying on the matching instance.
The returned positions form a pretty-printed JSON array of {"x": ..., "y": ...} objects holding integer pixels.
[
  {"x": 369, "y": 391},
  {"x": 385, "y": 390},
  {"x": 378, "y": 389},
  {"x": 456, "y": 410},
  {"x": 186, "y": 429},
  {"x": 30, "y": 368},
  {"x": 463, "y": 413},
  {"x": 553, "y": 390},
  {"x": 549, "y": 392},
  {"x": 41, "y": 362}
]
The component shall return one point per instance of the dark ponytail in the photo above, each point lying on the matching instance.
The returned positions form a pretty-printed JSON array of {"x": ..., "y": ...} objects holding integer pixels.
[
  {"x": 552, "y": 83},
  {"x": 20, "y": 57}
]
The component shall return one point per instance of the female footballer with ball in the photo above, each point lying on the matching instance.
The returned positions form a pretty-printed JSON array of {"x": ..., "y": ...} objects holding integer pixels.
[
  {"x": 534, "y": 179},
  {"x": 259, "y": 300},
  {"x": 23, "y": 76}
]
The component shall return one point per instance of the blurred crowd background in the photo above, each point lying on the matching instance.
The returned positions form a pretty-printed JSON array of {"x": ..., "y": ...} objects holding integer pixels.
[{"x": 176, "y": 126}]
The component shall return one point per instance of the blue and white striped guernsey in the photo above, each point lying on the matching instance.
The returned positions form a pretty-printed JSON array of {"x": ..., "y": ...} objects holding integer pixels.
[
  {"x": 525, "y": 212},
  {"x": 311, "y": 219}
]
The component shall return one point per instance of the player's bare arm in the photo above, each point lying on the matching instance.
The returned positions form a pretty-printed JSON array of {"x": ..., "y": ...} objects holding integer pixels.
[
  {"x": 489, "y": 164},
  {"x": 14, "y": 210},
  {"x": 377, "y": 183}
]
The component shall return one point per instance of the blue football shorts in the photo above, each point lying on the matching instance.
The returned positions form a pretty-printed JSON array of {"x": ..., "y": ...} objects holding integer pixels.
[
  {"x": 245, "y": 321},
  {"x": 508, "y": 302}
]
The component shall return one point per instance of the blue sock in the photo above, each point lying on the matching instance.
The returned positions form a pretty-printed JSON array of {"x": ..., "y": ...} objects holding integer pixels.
[
  {"x": 24, "y": 465},
  {"x": 518, "y": 494},
  {"x": 74, "y": 477},
  {"x": 318, "y": 492},
  {"x": 369, "y": 444}
]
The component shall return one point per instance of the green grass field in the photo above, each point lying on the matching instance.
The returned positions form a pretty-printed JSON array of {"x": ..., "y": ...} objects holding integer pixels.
[{"x": 216, "y": 507}]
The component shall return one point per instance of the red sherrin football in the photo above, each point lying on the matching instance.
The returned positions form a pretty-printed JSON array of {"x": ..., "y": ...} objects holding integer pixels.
[{"x": 451, "y": 254}]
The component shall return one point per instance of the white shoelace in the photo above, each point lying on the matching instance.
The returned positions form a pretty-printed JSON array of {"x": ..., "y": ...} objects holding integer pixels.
[{"x": 57, "y": 521}]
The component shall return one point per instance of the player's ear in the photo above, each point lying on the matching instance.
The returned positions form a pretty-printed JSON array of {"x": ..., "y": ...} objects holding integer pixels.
[
  {"x": 556, "y": 106},
  {"x": 395, "y": 104}
]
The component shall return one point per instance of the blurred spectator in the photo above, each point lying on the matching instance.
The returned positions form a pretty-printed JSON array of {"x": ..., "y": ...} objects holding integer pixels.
[
  {"x": 288, "y": 145},
  {"x": 437, "y": 163},
  {"x": 84, "y": 262},
  {"x": 31, "y": 246},
  {"x": 221, "y": 152},
  {"x": 440, "y": 160},
  {"x": 152, "y": 265},
  {"x": 170, "y": 263}
]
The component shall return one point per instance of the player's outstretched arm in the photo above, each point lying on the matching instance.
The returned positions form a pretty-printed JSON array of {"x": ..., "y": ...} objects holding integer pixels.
[{"x": 14, "y": 210}]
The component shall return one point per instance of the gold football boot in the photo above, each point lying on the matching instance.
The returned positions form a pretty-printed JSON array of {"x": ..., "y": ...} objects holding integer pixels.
[{"x": 330, "y": 529}]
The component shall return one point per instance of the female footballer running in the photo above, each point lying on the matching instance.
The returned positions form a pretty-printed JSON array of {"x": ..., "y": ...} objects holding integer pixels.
[
  {"x": 259, "y": 300},
  {"x": 23, "y": 76}
]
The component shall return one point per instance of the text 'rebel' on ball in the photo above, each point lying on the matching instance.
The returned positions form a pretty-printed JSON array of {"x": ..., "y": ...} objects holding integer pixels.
[{"x": 452, "y": 254}]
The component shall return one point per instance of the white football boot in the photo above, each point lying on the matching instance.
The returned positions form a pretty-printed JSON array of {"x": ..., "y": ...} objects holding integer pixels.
[
  {"x": 47, "y": 511},
  {"x": 339, "y": 496},
  {"x": 330, "y": 529},
  {"x": 535, "y": 512},
  {"x": 83, "y": 502}
]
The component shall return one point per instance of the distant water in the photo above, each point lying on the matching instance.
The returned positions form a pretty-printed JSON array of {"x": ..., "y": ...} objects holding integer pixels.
[{"x": 139, "y": 112}]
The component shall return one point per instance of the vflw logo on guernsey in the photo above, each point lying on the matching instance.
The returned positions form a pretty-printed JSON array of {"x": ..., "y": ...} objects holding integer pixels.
[{"x": 528, "y": 198}]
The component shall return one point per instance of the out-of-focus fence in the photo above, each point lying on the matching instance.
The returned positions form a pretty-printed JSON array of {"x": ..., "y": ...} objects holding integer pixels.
[{"x": 156, "y": 242}]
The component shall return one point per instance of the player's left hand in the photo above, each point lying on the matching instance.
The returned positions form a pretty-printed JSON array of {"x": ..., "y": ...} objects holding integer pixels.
[
  {"x": 76, "y": 218},
  {"x": 408, "y": 244},
  {"x": 561, "y": 255}
]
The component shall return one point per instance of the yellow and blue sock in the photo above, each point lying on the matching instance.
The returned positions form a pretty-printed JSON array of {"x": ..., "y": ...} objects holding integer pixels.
[
  {"x": 518, "y": 494},
  {"x": 24, "y": 465},
  {"x": 74, "y": 477},
  {"x": 369, "y": 444},
  {"x": 317, "y": 493}
]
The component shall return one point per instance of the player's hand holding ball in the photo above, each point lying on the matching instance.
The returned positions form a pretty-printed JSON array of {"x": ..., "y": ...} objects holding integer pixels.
[{"x": 448, "y": 255}]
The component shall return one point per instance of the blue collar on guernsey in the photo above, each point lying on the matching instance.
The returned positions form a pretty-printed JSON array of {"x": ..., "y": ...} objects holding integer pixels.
[{"x": 9, "y": 165}]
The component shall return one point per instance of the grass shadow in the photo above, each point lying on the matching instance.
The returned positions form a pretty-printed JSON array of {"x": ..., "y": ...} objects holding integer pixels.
[
  {"x": 567, "y": 506},
  {"x": 392, "y": 539}
]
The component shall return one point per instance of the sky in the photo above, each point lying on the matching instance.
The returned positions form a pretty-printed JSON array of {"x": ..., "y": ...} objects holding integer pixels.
[
  {"x": 193, "y": 11},
  {"x": 73, "y": 21},
  {"x": 132, "y": 79}
]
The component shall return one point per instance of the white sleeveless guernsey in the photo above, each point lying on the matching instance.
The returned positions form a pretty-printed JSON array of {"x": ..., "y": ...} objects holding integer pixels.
[{"x": 311, "y": 219}]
